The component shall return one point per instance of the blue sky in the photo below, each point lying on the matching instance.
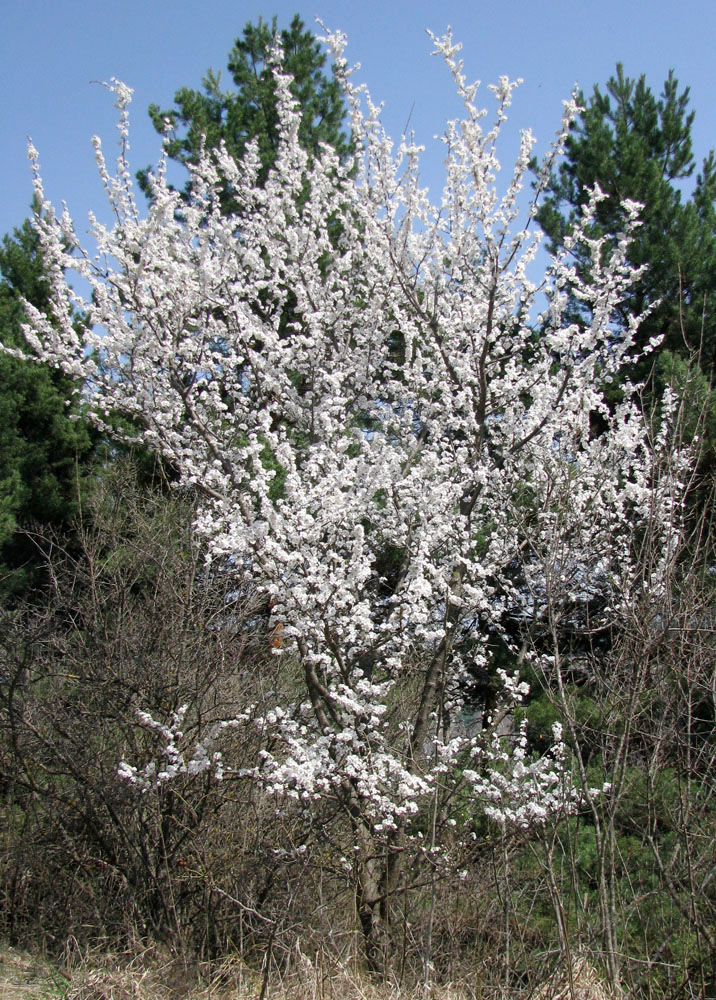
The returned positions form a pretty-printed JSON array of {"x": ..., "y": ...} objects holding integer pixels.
[{"x": 52, "y": 50}]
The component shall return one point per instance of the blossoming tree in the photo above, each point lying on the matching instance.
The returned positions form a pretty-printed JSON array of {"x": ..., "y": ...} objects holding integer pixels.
[{"x": 390, "y": 445}]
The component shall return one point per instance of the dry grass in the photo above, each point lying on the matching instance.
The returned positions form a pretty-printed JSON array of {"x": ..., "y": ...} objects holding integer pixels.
[
  {"x": 26, "y": 977},
  {"x": 155, "y": 975},
  {"x": 582, "y": 982}
]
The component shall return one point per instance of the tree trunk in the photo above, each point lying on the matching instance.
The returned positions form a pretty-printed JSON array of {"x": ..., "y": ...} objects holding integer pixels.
[{"x": 377, "y": 876}]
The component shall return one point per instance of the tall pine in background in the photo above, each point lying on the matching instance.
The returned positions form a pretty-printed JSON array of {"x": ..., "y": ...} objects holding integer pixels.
[{"x": 635, "y": 145}]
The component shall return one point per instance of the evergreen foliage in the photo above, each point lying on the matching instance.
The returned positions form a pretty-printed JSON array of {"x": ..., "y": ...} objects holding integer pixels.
[
  {"x": 637, "y": 146},
  {"x": 41, "y": 444}
]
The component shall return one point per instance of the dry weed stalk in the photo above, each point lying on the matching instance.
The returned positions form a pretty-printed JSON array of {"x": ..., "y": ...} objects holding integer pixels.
[{"x": 579, "y": 981}]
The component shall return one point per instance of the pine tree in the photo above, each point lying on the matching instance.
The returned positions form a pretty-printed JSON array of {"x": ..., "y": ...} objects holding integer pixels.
[
  {"x": 41, "y": 442},
  {"x": 249, "y": 111},
  {"x": 637, "y": 146}
]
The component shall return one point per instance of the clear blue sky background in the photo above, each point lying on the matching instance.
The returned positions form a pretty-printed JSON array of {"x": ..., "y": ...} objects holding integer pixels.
[{"x": 51, "y": 50}]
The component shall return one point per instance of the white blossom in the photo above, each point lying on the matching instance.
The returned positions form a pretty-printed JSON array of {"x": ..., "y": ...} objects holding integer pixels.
[{"x": 438, "y": 477}]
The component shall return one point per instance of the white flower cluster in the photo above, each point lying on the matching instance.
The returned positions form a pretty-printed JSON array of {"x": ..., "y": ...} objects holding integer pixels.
[
  {"x": 521, "y": 792},
  {"x": 174, "y": 758}
]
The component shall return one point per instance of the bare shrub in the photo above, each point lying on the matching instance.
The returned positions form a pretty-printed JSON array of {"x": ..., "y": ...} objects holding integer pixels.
[{"x": 134, "y": 621}]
